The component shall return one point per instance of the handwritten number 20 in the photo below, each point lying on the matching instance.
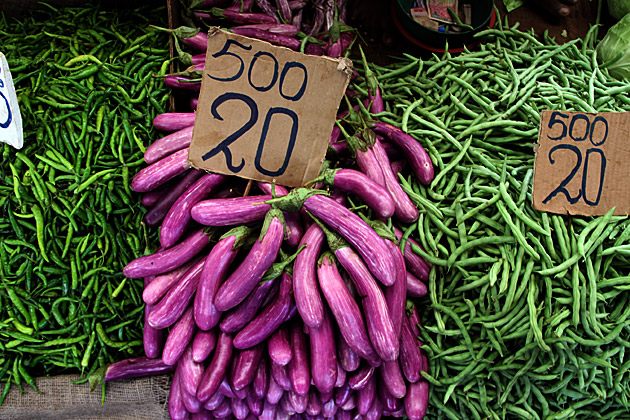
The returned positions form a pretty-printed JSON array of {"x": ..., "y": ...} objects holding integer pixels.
[
  {"x": 6, "y": 123},
  {"x": 582, "y": 193}
]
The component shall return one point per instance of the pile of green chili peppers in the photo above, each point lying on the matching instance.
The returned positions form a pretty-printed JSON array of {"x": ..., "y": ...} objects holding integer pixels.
[
  {"x": 85, "y": 79},
  {"x": 528, "y": 313}
]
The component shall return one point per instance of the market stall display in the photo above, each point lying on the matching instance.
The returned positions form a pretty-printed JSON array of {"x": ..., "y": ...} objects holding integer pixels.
[{"x": 412, "y": 278}]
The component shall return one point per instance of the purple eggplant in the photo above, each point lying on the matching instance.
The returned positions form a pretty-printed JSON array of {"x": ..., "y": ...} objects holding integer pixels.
[
  {"x": 396, "y": 294},
  {"x": 366, "y": 160},
  {"x": 415, "y": 264},
  {"x": 314, "y": 405},
  {"x": 280, "y": 375},
  {"x": 342, "y": 394},
  {"x": 161, "y": 284},
  {"x": 410, "y": 354},
  {"x": 261, "y": 379},
  {"x": 299, "y": 369},
  {"x": 279, "y": 346},
  {"x": 286, "y": 406},
  {"x": 375, "y": 412},
  {"x": 355, "y": 182},
  {"x": 216, "y": 267},
  {"x": 171, "y": 122},
  {"x": 179, "y": 337},
  {"x": 191, "y": 371},
  {"x": 168, "y": 310},
  {"x": 270, "y": 37},
  {"x": 377, "y": 314},
  {"x": 176, "y": 408},
  {"x": 269, "y": 319},
  {"x": 214, "y": 401},
  {"x": 182, "y": 83},
  {"x": 417, "y": 400},
  {"x": 366, "y": 396},
  {"x": 329, "y": 409},
  {"x": 350, "y": 404},
  {"x": 269, "y": 411},
  {"x": 376, "y": 100},
  {"x": 392, "y": 381},
  {"x": 348, "y": 358},
  {"x": 235, "y": 319},
  {"x": 323, "y": 355},
  {"x": 315, "y": 49},
  {"x": 267, "y": 8},
  {"x": 294, "y": 228},
  {"x": 344, "y": 309},
  {"x": 415, "y": 287},
  {"x": 168, "y": 259},
  {"x": 178, "y": 217},
  {"x": 223, "y": 411},
  {"x": 299, "y": 402},
  {"x": 152, "y": 338},
  {"x": 275, "y": 28},
  {"x": 192, "y": 404},
  {"x": 255, "y": 404},
  {"x": 318, "y": 21},
  {"x": 341, "y": 377},
  {"x": 358, "y": 379},
  {"x": 240, "y": 410},
  {"x": 262, "y": 255},
  {"x": 158, "y": 173},
  {"x": 406, "y": 211},
  {"x": 274, "y": 391},
  {"x": 202, "y": 345},
  {"x": 296, "y": 5},
  {"x": 226, "y": 389},
  {"x": 150, "y": 198},
  {"x": 244, "y": 366},
  {"x": 214, "y": 373},
  {"x": 158, "y": 211},
  {"x": 414, "y": 322},
  {"x": 168, "y": 144},
  {"x": 415, "y": 153},
  {"x": 135, "y": 368},
  {"x": 230, "y": 211},
  {"x": 284, "y": 10},
  {"x": 305, "y": 288}
]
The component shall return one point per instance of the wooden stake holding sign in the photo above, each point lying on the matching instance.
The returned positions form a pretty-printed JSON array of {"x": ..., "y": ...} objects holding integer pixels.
[
  {"x": 582, "y": 163},
  {"x": 10, "y": 117},
  {"x": 265, "y": 112}
]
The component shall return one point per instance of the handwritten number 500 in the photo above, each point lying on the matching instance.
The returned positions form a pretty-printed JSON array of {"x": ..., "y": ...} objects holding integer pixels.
[
  {"x": 224, "y": 146},
  {"x": 6, "y": 123}
]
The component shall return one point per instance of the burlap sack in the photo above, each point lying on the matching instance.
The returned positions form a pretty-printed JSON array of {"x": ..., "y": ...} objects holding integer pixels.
[{"x": 60, "y": 399}]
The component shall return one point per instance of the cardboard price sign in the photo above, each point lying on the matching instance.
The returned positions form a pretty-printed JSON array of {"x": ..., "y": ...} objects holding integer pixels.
[
  {"x": 265, "y": 112},
  {"x": 10, "y": 117},
  {"x": 582, "y": 163}
]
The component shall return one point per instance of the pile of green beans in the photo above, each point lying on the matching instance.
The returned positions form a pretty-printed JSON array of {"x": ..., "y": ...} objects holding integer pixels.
[
  {"x": 528, "y": 313},
  {"x": 68, "y": 220}
]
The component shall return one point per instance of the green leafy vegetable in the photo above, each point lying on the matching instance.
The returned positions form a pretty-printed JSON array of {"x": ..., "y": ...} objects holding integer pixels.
[
  {"x": 618, "y": 8},
  {"x": 613, "y": 52}
]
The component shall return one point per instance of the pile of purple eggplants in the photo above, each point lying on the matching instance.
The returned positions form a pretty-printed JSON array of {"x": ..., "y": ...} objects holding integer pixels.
[{"x": 268, "y": 302}]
